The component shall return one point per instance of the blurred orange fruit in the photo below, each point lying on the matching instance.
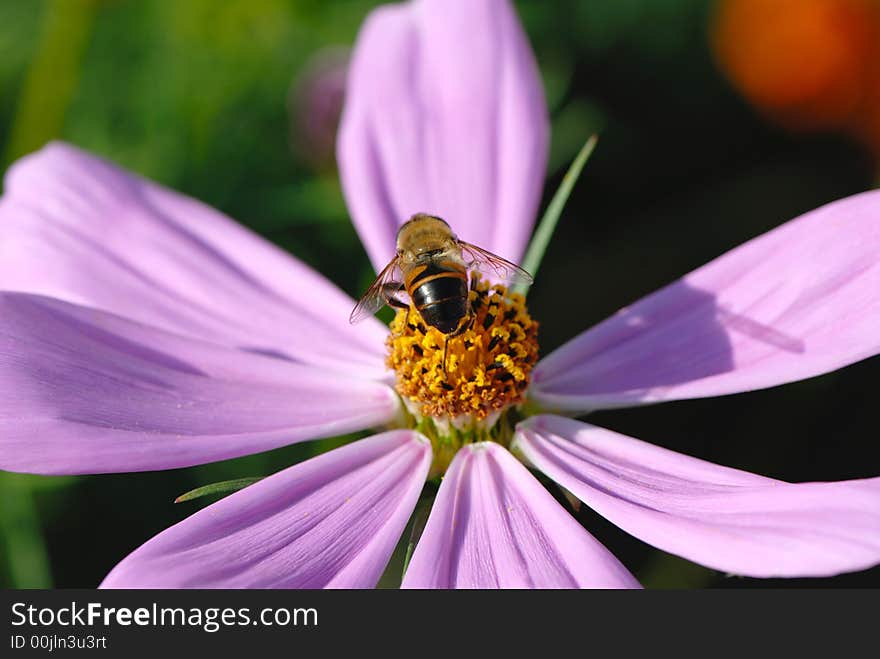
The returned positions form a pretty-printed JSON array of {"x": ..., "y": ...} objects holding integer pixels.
[{"x": 809, "y": 64}]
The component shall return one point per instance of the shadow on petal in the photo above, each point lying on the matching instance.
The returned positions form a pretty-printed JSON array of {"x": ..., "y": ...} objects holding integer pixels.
[{"x": 799, "y": 301}]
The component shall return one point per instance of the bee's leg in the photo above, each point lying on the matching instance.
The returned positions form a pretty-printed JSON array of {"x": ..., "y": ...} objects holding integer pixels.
[
  {"x": 396, "y": 303},
  {"x": 445, "y": 351},
  {"x": 389, "y": 292},
  {"x": 464, "y": 325}
]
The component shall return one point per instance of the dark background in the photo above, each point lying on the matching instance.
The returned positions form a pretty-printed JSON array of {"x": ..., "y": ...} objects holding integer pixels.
[{"x": 219, "y": 100}]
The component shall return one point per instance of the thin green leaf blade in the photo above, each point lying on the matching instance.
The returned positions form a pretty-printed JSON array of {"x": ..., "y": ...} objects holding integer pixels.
[
  {"x": 217, "y": 488},
  {"x": 420, "y": 519},
  {"x": 547, "y": 225}
]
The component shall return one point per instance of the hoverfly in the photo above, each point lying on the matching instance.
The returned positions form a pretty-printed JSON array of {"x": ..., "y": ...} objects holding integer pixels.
[{"x": 431, "y": 267}]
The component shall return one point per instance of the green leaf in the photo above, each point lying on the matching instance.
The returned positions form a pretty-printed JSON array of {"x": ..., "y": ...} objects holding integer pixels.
[
  {"x": 217, "y": 488},
  {"x": 22, "y": 536},
  {"x": 547, "y": 225},
  {"x": 664, "y": 571},
  {"x": 36, "y": 483}
]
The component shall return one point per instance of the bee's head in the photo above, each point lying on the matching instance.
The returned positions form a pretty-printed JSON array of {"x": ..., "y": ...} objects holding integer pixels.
[{"x": 423, "y": 234}]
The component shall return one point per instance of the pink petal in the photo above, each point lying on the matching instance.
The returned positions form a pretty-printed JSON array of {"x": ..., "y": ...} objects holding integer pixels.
[
  {"x": 799, "y": 301},
  {"x": 723, "y": 518},
  {"x": 330, "y": 522},
  {"x": 77, "y": 228},
  {"x": 494, "y": 526},
  {"x": 444, "y": 114},
  {"x": 83, "y": 391}
]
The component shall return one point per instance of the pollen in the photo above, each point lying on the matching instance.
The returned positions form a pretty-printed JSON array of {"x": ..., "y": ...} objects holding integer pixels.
[{"x": 487, "y": 366}]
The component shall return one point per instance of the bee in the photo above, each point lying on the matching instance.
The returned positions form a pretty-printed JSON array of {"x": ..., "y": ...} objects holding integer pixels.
[{"x": 432, "y": 267}]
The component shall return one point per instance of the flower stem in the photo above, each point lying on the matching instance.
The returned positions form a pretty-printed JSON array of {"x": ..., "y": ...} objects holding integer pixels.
[
  {"x": 52, "y": 76},
  {"x": 547, "y": 225}
]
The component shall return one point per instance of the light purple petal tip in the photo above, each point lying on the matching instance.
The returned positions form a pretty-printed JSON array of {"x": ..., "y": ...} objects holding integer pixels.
[
  {"x": 444, "y": 114},
  {"x": 494, "y": 526},
  {"x": 799, "y": 301},
  {"x": 83, "y": 391},
  {"x": 723, "y": 518},
  {"x": 75, "y": 227},
  {"x": 330, "y": 522}
]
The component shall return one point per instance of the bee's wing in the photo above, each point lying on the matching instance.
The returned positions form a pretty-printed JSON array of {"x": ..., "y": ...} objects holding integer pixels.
[
  {"x": 477, "y": 258},
  {"x": 377, "y": 294}
]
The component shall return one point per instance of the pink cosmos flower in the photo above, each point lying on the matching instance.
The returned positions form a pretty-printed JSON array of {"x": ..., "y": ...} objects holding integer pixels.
[{"x": 140, "y": 329}]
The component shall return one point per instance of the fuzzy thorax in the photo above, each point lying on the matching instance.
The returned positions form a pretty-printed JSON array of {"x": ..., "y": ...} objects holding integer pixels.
[{"x": 487, "y": 367}]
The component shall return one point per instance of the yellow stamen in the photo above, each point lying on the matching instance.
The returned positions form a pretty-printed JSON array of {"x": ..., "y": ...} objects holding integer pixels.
[{"x": 487, "y": 366}]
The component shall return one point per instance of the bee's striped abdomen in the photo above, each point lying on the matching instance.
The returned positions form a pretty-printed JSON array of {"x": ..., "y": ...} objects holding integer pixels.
[{"x": 439, "y": 292}]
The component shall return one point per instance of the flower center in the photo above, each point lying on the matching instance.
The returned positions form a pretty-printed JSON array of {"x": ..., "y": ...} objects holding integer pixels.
[{"x": 486, "y": 373}]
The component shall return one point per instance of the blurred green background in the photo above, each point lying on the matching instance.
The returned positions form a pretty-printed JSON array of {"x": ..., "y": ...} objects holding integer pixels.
[{"x": 235, "y": 102}]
